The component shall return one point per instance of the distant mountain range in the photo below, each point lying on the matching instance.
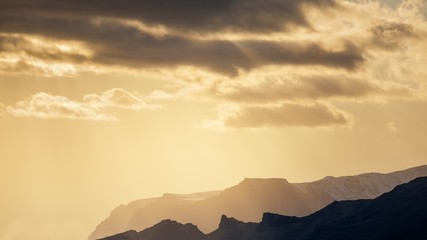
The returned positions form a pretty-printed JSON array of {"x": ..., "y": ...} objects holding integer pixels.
[
  {"x": 399, "y": 214},
  {"x": 248, "y": 201}
]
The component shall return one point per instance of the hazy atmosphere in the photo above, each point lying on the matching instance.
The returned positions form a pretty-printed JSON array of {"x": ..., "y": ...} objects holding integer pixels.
[{"x": 103, "y": 102}]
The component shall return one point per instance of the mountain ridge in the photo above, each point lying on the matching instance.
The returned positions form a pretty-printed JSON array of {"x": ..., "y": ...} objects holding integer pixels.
[
  {"x": 249, "y": 199},
  {"x": 398, "y": 214}
]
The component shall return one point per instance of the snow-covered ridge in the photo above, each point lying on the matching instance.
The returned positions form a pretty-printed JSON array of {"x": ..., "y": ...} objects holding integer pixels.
[{"x": 364, "y": 186}]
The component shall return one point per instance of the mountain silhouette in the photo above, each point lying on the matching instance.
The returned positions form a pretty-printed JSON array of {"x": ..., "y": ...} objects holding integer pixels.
[
  {"x": 251, "y": 198},
  {"x": 165, "y": 230},
  {"x": 399, "y": 214},
  {"x": 153, "y": 210}
]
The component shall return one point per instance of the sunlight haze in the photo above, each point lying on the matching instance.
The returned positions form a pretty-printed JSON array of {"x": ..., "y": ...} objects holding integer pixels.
[{"x": 101, "y": 105}]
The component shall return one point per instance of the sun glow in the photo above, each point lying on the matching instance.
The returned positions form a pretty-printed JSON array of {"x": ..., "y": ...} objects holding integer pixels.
[{"x": 105, "y": 102}]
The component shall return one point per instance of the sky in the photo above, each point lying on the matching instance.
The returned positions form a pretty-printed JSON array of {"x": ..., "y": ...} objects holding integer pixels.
[{"x": 103, "y": 102}]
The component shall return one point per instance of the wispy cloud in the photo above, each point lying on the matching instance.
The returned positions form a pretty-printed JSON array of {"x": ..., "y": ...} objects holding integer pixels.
[
  {"x": 21, "y": 53},
  {"x": 44, "y": 105},
  {"x": 117, "y": 98},
  {"x": 93, "y": 107}
]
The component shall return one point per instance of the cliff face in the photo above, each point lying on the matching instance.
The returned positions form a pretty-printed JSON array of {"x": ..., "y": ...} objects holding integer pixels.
[
  {"x": 250, "y": 199},
  {"x": 399, "y": 214}
]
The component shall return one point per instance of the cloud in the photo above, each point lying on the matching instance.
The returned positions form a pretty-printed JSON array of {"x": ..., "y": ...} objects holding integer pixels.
[
  {"x": 118, "y": 98},
  {"x": 252, "y": 53},
  {"x": 34, "y": 54},
  {"x": 121, "y": 33},
  {"x": 390, "y": 35},
  {"x": 285, "y": 115},
  {"x": 47, "y": 106},
  {"x": 44, "y": 48},
  {"x": 276, "y": 88},
  {"x": 117, "y": 34},
  {"x": 221, "y": 56},
  {"x": 44, "y": 105},
  {"x": 113, "y": 43},
  {"x": 182, "y": 15}
]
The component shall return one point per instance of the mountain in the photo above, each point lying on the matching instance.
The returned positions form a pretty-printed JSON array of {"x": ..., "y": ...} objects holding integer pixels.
[
  {"x": 399, "y": 214},
  {"x": 250, "y": 199},
  {"x": 165, "y": 230},
  {"x": 157, "y": 208}
]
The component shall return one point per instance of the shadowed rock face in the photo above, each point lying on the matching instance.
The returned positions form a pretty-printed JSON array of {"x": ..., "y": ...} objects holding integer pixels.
[
  {"x": 249, "y": 199},
  {"x": 165, "y": 230},
  {"x": 399, "y": 214}
]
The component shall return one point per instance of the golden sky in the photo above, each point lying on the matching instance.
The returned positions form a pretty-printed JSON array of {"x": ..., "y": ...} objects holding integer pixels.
[{"x": 103, "y": 102}]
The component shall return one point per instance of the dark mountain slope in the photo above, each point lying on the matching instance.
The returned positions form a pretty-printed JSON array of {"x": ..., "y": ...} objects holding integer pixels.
[
  {"x": 165, "y": 230},
  {"x": 399, "y": 214}
]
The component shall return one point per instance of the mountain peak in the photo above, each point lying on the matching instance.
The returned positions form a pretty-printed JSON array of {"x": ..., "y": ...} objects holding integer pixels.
[
  {"x": 228, "y": 222},
  {"x": 172, "y": 224},
  {"x": 168, "y": 222},
  {"x": 276, "y": 220},
  {"x": 166, "y": 230},
  {"x": 122, "y": 236}
]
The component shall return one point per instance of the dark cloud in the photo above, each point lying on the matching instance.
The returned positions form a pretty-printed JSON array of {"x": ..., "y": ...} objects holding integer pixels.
[
  {"x": 305, "y": 88},
  {"x": 390, "y": 35},
  {"x": 181, "y": 15},
  {"x": 219, "y": 55},
  {"x": 287, "y": 115},
  {"x": 114, "y": 43}
]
